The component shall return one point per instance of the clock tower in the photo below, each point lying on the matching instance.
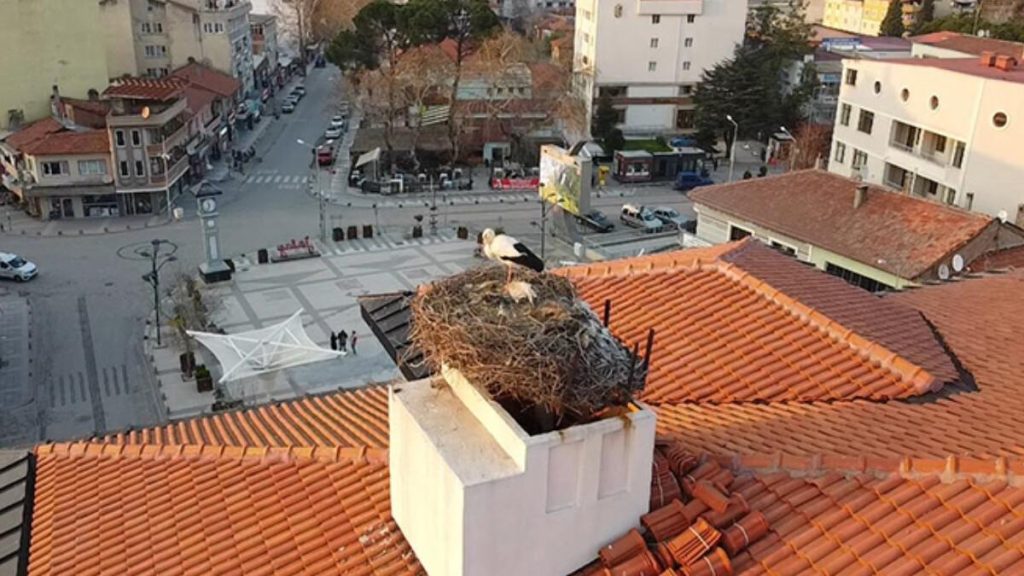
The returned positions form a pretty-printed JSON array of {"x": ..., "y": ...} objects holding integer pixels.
[{"x": 214, "y": 269}]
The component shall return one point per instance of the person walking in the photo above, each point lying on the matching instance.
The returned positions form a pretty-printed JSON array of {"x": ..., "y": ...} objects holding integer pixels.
[
  {"x": 342, "y": 340},
  {"x": 352, "y": 342},
  {"x": 334, "y": 341}
]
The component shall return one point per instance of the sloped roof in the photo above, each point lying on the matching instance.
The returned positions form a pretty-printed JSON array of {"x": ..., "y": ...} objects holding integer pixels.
[
  {"x": 816, "y": 207},
  {"x": 1007, "y": 258},
  {"x": 208, "y": 78},
  {"x": 32, "y": 132},
  {"x": 724, "y": 334},
  {"x": 969, "y": 44},
  {"x": 969, "y": 66},
  {"x": 197, "y": 98},
  {"x": 162, "y": 89},
  {"x": 69, "y": 143},
  {"x": 15, "y": 509}
]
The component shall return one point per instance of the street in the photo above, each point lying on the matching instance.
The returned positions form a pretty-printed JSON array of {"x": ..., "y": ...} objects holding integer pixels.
[{"x": 89, "y": 306}]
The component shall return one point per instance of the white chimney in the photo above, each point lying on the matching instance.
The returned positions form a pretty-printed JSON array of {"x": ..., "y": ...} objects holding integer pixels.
[
  {"x": 860, "y": 195},
  {"x": 475, "y": 495}
]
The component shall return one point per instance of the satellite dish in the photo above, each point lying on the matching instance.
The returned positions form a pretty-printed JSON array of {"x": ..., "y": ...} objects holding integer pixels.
[
  {"x": 1003, "y": 216},
  {"x": 145, "y": 111},
  {"x": 958, "y": 263},
  {"x": 943, "y": 272}
]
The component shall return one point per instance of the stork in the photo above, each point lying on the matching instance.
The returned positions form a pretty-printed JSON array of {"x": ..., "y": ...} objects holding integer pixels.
[{"x": 510, "y": 252}]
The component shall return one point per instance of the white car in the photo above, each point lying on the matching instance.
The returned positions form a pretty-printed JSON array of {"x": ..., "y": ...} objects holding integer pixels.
[
  {"x": 288, "y": 107},
  {"x": 338, "y": 122},
  {"x": 16, "y": 268},
  {"x": 332, "y": 133}
]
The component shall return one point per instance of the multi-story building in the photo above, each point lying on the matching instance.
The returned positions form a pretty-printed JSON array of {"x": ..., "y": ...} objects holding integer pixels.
[
  {"x": 33, "y": 61},
  {"x": 943, "y": 129},
  {"x": 649, "y": 55},
  {"x": 945, "y": 44},
  {"x": 865, "y": 16},
  {"x": 211, "y": 96},
  {"x": 168, "y": 34},
  {"x": 265, "y": 48}
]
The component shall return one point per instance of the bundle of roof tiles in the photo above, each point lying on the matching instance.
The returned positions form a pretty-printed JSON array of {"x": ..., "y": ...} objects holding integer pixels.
[{"x": 695, "y": 526}]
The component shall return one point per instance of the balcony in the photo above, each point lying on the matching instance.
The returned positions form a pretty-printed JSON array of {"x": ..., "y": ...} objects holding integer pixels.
[
  {"x": 934, "y": 148},
  {"x": 133, "y": 117},
  {"x": 179, "y": 167}
]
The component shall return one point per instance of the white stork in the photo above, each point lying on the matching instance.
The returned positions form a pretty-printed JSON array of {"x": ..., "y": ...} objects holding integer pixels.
[{"x": 510, "y": 252}]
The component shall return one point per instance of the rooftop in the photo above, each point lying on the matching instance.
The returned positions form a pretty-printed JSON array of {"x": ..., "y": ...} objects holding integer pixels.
[
  {"x": 207, "y": 78},
  {"x": 69, "y": 143},
  {"x": 32, "y": 132},
  {"x": 968, "y": 66},
  {"x": 161, "y": 89},
  {"x": 969, "y": 44},
  {"x": 817, "y": 207}
]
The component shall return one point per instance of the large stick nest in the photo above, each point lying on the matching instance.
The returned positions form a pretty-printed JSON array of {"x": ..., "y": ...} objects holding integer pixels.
[{"x": 553, "y": 353}]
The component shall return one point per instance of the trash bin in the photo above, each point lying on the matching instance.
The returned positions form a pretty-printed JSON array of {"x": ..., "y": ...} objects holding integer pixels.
[
  {"x": 262, "y": 256},
  {"x": 463, "y": 233},
  {"x": 417, "y": 231},
  {"x": 367, "y": 231},
  {"x": 338, "y": 234},
  {"x": 353, "y": 232}
]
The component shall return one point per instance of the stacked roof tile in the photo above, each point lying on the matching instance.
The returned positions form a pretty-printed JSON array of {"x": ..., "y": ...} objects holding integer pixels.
[{"x": 166, "y": 88}]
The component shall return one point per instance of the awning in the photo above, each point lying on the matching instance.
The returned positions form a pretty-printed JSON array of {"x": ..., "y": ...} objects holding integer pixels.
[
  {"x": 263, "y": 350},
  {"x": 371, "y": 156}
]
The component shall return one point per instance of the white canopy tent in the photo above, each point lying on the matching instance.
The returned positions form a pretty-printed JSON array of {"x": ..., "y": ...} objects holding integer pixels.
[{"x": 263, "y": 350}]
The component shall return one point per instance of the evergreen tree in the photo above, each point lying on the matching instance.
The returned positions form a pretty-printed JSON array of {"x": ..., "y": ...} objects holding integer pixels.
[
  {"x": 605, "y": 118},
  {"x": 892, "y": 24},
  {"x": 926, "y": 15},
  {"x": 615, "y": 140}
]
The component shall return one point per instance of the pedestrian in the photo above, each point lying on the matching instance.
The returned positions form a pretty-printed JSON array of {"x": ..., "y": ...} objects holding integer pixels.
[
  {"x": 715, "y": 162},
  {"x": 352, "y": 342},
  {"x": 342, "y": 340},
  {"x": 334, "y": 341}
]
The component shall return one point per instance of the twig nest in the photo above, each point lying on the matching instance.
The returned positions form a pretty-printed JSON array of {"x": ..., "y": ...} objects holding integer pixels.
[{"x": 553, "y": 353}]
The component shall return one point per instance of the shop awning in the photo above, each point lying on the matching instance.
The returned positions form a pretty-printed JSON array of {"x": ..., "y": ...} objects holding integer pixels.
[{"x": 371, "y": 156}]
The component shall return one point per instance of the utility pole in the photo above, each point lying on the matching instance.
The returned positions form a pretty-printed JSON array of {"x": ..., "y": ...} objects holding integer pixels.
[
  {"x": 153, "y": 276},
  {"x": 732, "y": 149}
]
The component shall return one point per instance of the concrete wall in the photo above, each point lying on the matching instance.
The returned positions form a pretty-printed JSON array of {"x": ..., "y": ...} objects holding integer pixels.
[
  {"x": 119, "y": 37},
  {"x": 74, "y": 178},
  {"x": 47, "y": 42}
]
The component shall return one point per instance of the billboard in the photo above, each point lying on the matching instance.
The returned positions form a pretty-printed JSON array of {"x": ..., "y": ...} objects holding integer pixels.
[{"x": 565, "y": 180}]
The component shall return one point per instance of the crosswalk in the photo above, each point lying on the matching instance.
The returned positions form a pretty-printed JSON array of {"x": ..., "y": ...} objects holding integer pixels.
[
  {"x": 286, "y": 181},
  {"x": 72, "y": 388},
  {"x": 381, "y": 242}
]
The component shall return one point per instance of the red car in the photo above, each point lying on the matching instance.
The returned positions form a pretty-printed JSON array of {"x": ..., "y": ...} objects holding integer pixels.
[{"x": 325, "y": 155}]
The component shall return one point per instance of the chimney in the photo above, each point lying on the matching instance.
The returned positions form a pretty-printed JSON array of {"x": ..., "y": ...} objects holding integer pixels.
[
  {"x": 987, "y": 59},
  {"x": 476, "y": 495},
  {"x": 860, "y": 195},
  {"x": 56, "y": 107},
  {"x": 1005, "y": 62}
]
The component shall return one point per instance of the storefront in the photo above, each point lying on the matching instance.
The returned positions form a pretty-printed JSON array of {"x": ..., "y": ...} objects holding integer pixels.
[{"x": 63, "y": 202}]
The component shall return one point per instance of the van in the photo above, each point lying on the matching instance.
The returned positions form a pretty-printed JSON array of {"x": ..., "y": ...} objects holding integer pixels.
[
  {"x": 640, "y": 217},
  {"x": 16, "y": 268}
]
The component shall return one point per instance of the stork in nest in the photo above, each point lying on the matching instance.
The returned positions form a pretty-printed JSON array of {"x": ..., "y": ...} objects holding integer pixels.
[{"x": 511, "y": 253}]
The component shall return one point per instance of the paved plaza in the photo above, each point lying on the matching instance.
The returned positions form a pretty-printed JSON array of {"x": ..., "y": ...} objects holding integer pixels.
[{"x": 326, "y": 289}]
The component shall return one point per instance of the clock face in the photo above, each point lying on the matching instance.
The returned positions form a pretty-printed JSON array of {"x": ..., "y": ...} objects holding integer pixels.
[{"x": 208, "y": 205}]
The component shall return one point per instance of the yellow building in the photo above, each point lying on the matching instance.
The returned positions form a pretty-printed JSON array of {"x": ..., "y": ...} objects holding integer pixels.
[
  {"x": 46, "y": 43},
  {"x": 856, "y": 16}
]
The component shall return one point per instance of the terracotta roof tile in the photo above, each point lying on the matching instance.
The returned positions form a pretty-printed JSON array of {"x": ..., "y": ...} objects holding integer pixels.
[
  {"x": 166, "y": 88},
  {"x": 346, "y": 419},
  {"x": 725, "y": 335},
  {"x": 969, "y": 44},
  {"x": 1008, "y": 258},
  {"x": 68, "y": 143},
  {"x": 970, "y": 66},
  {"x": 817, "y": 207},
  {"x": 975, "y": 420},
  {"x": 32, "y": 132},
  {"x": 208, "y": 79}
]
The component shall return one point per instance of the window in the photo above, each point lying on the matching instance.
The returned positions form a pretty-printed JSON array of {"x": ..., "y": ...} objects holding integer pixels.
[
  {"x": 91, "y": 167},
  {"x": 940, "y": 144},
  {"x": 156, "y": 51},
  {"x": 851, "y": 77},
  {"x": 158, "y": 27},
  {"x": 933, "y": 102},
  {"x": 586, "y": 38},
  {"x": 840, "y": 152},
  {"x": 785, "y": 249},
  {"x": 737, "y": 233},
  {"x": 857, "y": 280},
  {"x": 54, "y": 168},
  {"x": 123, "y": 168},
  {"x": 970, "y": 200},
  {"x": 950, "y": 196},
  {"x": 652, "y": 66},
  {"x": 654, "y": 42},
  {"x": 905, "y": 94},
  {"x": 119, "y": 138},
  {"x": 685, "y": 119},
  {"x": 140, "y": 168},
  {"x": 688, "y": 43},
  {"x": 136, "y": 138},
  {"x": 686, "y": 65},
  {"x": 878, "y": 87},
  {"x": 866, "y": 121},
  {"x": 958, "y": 154},
  {"x": 844, "y": 114},
  {"x": 690, "y": 18},
  {"x": 146, "y": 29},
  {"x": 999, "y": 119},
  {"x": 655, "y": 18},
  {"x": 618, "y": 10},
  {"x": 686, "y": 90},
  {"x": 859, "y": 160}
]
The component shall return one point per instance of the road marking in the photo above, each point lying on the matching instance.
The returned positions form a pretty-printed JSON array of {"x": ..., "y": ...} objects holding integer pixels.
[
  {"x": 98, "y": 418},
  {"x": 278, "y": 179}
]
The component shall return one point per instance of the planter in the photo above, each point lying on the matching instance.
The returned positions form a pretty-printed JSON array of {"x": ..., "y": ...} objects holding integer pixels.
[
  {"x": 352, "y": 233},
  {"x": 338, "y": 234},
  {"x": 417, "y": 231},
  {"x": 187, "y": 361},
  {"x": 204, "y": 380},
  {"x": 463, "y": 233},
  {"x": 367, "y": 231},
  {"x": 262, "y": 256}
]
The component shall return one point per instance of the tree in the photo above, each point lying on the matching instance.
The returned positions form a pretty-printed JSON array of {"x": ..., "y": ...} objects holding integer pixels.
[
  {"x": 605, "y": 117},
  {"x": 1012, "y": 30},
  {"x": 614, "y": 141},
  {"x": 810, "y": 145},
  {"x": 297, "y": 16},
  {"x": 892, "y": 24},
  {"x": 424, "y": 76},
  {"x": 926, "y": 15}
]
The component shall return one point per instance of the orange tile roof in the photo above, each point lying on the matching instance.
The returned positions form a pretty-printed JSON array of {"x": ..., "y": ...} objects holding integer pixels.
[
  {"x": 1008, "y": 258},
  {"x": 725, "y": 335},
  {"x": 969, "y": 44},
  {"x": 147, "y": 510},
  {"x": 817, "y": 207},
  {"x": 208, "y": 79},
  {"x": 351, "y": 418},
  {"x": 162, "y": 89},
  {"x": 68, "y": 143},
  {"x": 975, "y": 420},
  {"x": 32, "y": 132}
]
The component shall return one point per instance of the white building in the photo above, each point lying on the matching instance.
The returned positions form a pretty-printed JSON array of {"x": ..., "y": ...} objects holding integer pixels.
[
  {"x": 648, "y": 56},
  {"x": 943, "y": 129}
]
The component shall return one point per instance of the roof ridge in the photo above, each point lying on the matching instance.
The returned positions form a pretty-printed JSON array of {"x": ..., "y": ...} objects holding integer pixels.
[
  {"x": 920, "y": 380},
  {"x": 86, "y": 449},
  {"x": 672, "y": 261}
]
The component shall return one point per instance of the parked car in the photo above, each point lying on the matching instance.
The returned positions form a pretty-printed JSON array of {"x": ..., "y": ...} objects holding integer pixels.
[
  {"x": 325, "y": 155},
  {"x": 596, "y": 220},
  {"x": 689, "y": 180},
  {"x": 333, "y": 132},
  {"x": 338, "y": 121},
  {"x": 300, "y": 89},
  {"x": 16, "y": 268},
  {"x": 288, "y": 107},
  {"x": 640, "y": 217},
  {"x": 672, "y": 218}
]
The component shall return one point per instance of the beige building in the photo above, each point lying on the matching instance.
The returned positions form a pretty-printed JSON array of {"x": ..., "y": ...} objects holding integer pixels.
[
  {"x": 46, "y": 43},
  {"x": 865, "y": 16},
  {"x": 649, "y": 55},
  {"x": 947, "y": 130}
]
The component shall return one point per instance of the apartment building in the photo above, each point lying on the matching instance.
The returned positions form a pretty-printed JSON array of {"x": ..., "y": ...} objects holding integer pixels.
[
  {"x": 649, "y": 55},
  {"x": 265, "y": 48},
  {"x": 168, "y": 34},
  {"x": 865, "y": 16},
  {"x": 944, "y": 129},
  {"x": 46, "y": 43},
  {"x": 945, "y": 44}
]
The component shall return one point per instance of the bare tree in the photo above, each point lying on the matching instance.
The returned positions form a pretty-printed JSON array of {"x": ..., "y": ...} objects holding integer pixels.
[
  {"x": 810, "y": 145},
  {"x": 192, "y": 307},
  {"x": 424, "y": 74},
  {"x": 297, "y": 17}
]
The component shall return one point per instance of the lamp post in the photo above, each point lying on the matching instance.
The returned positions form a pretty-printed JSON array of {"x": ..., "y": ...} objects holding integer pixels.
[
  {"x": 792, "y": 146},
  {"x": 320, "y": 190},
  {"x": 732, "y": 149},
  {"x": 157, "y": 261}
]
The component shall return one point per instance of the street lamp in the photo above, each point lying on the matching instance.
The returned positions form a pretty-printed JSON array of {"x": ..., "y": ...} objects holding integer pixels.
[
  {"x": 157, "y": 261},
  {"x": 320, "y": 190},
  {"x": 732, "y": 149},
  {"x": 792, "y": 145}
]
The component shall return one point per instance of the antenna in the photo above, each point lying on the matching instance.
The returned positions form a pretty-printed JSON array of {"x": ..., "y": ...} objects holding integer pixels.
[
  {"x": 958, "y": 263},
  {"x": 943, "y": 272}
]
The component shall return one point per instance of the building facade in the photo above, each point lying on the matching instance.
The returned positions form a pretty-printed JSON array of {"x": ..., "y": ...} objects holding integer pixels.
[
  {"x": 265, "y": 49},
  {"x": 648, "y": 56},
  {"x": 943, "y": 129},
  {"x": 34, "y": 60}
]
